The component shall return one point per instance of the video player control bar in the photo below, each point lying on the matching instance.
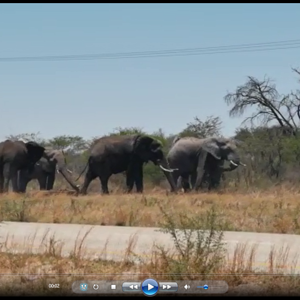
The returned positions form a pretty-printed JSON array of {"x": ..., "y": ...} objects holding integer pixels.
[{"x": 150, "y": 287}]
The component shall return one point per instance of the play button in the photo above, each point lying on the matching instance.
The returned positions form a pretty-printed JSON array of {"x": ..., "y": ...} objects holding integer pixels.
[{"x": 149, "y": 287}]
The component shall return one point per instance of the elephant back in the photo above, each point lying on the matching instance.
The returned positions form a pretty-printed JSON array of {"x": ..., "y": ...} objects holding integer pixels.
[{"x": 175, "y": 140}]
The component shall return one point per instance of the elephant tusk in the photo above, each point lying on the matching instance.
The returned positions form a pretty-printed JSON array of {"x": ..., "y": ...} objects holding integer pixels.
[
  {"x": 167, "y": 170},
  {"x": 69, "y": 171},
  {"x": 57, "y": 171},
  {"x": 242, "y": 164},
  {"x": 233, "y": 163}
]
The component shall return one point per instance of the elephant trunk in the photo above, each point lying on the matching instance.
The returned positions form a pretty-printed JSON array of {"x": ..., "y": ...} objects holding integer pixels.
[
  {"x": 64, "y": 172},
  {"x": 163, "y": 164}
]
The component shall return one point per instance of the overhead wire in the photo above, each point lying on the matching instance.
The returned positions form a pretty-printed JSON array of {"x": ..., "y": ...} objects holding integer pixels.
[{"x": 239, "y": 48}]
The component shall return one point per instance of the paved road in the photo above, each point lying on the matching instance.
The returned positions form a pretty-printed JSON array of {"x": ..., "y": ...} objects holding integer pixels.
[{"x": 29, "y": 237}]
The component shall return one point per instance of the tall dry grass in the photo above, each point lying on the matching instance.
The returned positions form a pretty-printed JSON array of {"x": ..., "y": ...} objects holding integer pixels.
[{"x": 275, "y": 211}]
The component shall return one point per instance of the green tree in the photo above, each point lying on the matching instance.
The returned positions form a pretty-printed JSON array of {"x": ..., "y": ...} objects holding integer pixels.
[
  {"x": 73, "y": 143},
  {"x": 210, "y": 127},
  {"x": 127, "y": 131},
  {"x": 28, "y": 137}
]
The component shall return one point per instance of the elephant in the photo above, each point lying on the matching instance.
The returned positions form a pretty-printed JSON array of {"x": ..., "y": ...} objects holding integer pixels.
[
  {"x": 15, "y": 156},
  {"x": 116, "y": 154},
  {"x": 45, "y": 170},
  {"x": 201, "y": 158}
]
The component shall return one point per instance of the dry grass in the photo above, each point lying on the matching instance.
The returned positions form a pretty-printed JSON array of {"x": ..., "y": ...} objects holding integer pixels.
[
  {"x": 274, "y": 211},
  {"x": 31, "y": 274}
]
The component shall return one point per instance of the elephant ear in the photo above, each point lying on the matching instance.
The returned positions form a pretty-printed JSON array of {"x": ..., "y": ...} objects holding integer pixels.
[
  {"x": 142, "y": 144},
  {"x": 48, "y": 154},
  {"x": 211, "y": 146},
  {"x": 35, "y": 151}
]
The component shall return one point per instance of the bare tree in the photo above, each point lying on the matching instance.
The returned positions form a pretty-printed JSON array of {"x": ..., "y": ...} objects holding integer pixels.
[
  {"x": 270, "y": 105},
  {"x": 296, "y": 95}
]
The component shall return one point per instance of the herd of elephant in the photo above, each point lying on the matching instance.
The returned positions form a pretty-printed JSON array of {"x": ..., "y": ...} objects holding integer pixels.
[{"x": 189, "y": 159}]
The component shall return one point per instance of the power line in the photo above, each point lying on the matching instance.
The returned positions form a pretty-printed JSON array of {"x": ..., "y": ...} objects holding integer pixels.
[{"x": 254, "y": 47}]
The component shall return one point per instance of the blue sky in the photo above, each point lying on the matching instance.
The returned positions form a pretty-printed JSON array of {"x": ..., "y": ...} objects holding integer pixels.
[{"x": 91, "y": 98}]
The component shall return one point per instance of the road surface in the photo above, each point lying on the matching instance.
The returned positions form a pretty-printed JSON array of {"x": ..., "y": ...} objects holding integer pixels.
[{"x": 23, "y": 237}]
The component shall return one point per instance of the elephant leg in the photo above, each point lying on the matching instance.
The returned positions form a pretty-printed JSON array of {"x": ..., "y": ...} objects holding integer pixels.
[
  {"x": 212, "y": 183},
  {"x": 200, "y": 170},
  {"x": 215, "y": 180},
  {"x": 185, "y": 182},
  {"x": 12, "y": 174},
  {"x": 22, "y": 185},
  {"x": 186, "y": 186},
  {"x": 205, "y": 180},
  {"x": 6, "y": 177},
  {"x": 1, "y": 180},
  {"x": 22, "y": 182},
  {"x": 42, "y": 182},
  {"x": 89, "y": 177},
  {"x": 177, "y": 178},
  {"x": 179, "y": 183},
  {"x": 193, "y": 179},
  {"x": 14, "y": 180},
  {"x": 50, "y": 181},
  {"x": 139, "y": 180},
  {"x": 104, "y": 183},
  {"x": 129, "y": 181}
]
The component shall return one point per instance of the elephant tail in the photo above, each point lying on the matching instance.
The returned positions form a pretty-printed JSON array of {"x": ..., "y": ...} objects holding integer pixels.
[{"x": 83, "y": 170}]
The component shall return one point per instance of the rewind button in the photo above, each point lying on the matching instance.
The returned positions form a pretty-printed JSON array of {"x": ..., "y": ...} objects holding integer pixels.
[
  {"x": 168, "y": 287},
  {"x": 131, "y": 286},
  {"x": 134, "y": 287}
]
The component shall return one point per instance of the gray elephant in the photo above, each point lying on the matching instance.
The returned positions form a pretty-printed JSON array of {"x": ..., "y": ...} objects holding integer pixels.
[
  {"x": 128, "y": 153},
  {"x": 45, "y": 170},
  {"x": 202, "y": 157},
  {"x": 15, "y": 156}
]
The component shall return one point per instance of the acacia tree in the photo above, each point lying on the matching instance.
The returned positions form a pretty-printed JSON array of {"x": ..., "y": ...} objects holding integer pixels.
[
  {"x": 276, "y": 117},
  {"x": 269, "y": 104}
]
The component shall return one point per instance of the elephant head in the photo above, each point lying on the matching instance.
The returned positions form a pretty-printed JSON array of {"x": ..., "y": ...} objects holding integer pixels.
[
  {"x": 58, "y": 158},
  {"x": 223, "y": 149},
  {"x": 149, "y": 149},
  {"x": 34, "y": 153},
  {"x": 219, "y": 149}
]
